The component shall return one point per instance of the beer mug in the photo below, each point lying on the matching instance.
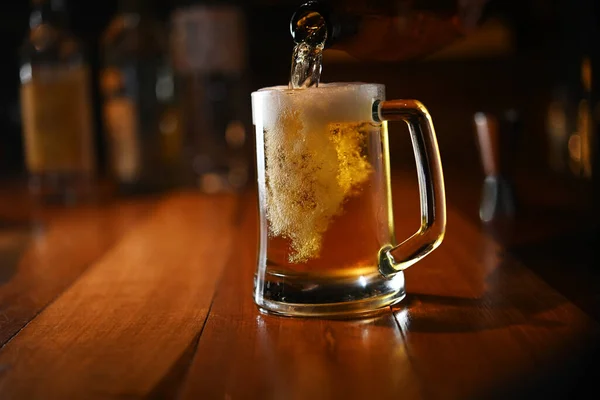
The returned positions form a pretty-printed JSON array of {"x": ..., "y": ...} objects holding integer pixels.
[{"x": 326, "y": 243}]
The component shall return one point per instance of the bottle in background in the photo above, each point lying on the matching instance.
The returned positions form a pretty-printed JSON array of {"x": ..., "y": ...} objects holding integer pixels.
[
  {"x": 141, "y": 119},
  {"x": 570, "y": 115},
  {"x": 56, "y": 107},
  {"x": 208, "y": 44}
]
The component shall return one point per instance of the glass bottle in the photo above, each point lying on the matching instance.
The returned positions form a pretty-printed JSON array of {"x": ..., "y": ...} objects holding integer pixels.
[
  {"x": 388, "y": 30},
  {"x": 141, "y": 119},
  {"x": 56, "y": 107},
  {"x": 209, "y": 51},
  {"x": 570, "y": 120}
]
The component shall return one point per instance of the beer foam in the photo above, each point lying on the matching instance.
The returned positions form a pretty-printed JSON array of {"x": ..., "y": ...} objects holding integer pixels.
[
  {"x": 340, "y": 102},
  {"x": 314, "y": 141}
]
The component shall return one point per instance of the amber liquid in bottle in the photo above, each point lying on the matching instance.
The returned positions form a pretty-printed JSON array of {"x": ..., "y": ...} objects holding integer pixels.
[
  {"x": 57, "y": 122},
  {"x": 141, "y": 118},
  {"x": 56, "y": 109}
]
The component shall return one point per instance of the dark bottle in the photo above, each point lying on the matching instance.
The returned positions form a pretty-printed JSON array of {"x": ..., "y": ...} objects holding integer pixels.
[
  {"x": 386, "y": 30},
  {"x": 209, "y": 50},
  {"x": 140, "y": 114}
]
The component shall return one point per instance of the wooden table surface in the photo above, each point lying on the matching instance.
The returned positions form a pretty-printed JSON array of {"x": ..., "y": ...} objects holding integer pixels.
[{"x": 152, "y": 298}]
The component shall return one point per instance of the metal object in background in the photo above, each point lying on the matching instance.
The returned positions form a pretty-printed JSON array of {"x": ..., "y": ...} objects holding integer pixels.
[{"x": 497, "y": 144}]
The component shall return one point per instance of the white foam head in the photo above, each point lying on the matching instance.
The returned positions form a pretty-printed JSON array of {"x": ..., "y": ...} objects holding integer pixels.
[
  {"x": 302, "y": 136},
  {"x": 328, "y": 103}
]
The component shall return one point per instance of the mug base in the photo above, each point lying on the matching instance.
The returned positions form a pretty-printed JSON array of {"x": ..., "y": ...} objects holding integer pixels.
[{"x": 363, "y": 296}]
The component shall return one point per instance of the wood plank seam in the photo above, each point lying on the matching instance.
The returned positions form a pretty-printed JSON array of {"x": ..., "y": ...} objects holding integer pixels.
[
  {"x": 424, "y": 389},
  {"x": 82, "y": 274},
  {"x": 87, "y": 216},
  {"x": 507, "y": 315},
  {"x": 157, "y": 284},
  {"x": 238, "y": 221},
  {"x": 176, "y": 392},
  {"x": 244, "y": 353}
]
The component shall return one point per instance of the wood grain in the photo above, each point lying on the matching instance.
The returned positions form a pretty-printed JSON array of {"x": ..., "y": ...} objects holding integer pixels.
[
  {"x": 475, "y": 317},
  {"x": 244, "y": 354},
  {"x": 168, "y": 312},
  {"x": 40, "y": 257},
  {"x": 117, "y": 331}
]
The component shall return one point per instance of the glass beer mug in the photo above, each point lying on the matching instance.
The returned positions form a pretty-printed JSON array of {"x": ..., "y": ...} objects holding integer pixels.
[{"x": 327, "y": 245}]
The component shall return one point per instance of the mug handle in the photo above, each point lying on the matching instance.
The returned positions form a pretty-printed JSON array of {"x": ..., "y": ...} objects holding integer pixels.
[{"x": 393, "y": 259}]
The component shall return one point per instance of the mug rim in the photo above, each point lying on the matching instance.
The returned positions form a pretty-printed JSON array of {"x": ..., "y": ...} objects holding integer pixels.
[{"x": 324, "y": 87}]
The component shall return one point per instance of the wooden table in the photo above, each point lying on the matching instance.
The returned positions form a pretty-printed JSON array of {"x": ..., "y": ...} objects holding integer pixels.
[{"x": 151, "y": 298}]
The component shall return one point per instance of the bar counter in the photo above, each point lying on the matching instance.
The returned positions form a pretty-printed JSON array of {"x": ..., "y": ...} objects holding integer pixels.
[{"x": 151, "y": 298}]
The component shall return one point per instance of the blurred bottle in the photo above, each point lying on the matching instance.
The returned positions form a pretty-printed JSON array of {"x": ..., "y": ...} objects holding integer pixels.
[
  {"x": 141, "y": 119},
  {"x": 208, "y": 43},
  {"x": 570, "y": 122},
  {"x": 56, "y": 107},
  {"x": 569, "y": 125},
  {"x": 391, "y": 30}
]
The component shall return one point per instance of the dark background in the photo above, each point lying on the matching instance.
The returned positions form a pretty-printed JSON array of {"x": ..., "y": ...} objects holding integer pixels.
[
  {"x": 528, "y": 56},
  {"x": 87, "y": 20},
  {"x": 540, "y": 57}
]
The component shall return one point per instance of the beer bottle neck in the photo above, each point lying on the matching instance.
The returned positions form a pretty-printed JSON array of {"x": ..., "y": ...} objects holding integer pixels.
[
  {"x": 386, "y": 30},
  {"x": 139, "y": 7},
  {"x": 339, "y": 25}
]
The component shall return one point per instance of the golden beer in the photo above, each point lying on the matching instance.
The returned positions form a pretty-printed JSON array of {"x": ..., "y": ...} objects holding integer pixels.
[{"x": 328, "y": 206}]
